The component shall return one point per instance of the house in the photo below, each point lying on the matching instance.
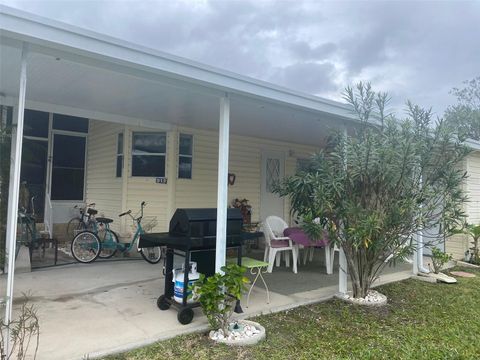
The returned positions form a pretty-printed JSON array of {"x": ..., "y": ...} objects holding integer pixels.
[
  {"x": 457, "y": 245},
  {"x": 115, "y": 124},
  {"x": 106, "y": 121}
]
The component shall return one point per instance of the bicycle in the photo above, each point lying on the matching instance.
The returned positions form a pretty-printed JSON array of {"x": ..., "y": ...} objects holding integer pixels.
[
  {"x": 28, "y": 227},
  {"x": 86, "y": 220},
  {"x": 87, "y": 245}
]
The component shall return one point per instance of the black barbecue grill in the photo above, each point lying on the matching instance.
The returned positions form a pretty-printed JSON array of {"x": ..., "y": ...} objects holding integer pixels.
[{"x": 192, "y": 235}]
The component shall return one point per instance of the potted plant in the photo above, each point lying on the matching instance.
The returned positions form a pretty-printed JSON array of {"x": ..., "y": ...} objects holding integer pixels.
[
  {"x": 218, "y": 295},
  {"x": 245, "y": 209}
]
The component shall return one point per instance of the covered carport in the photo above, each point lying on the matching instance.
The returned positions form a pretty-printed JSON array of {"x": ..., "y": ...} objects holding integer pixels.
[{"x": 50, "y": 66}]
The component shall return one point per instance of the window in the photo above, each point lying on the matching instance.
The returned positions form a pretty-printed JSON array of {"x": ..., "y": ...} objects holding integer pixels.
[
  {"x": 35, "y": 123},
  {"x": 68, "y": 167},
  {"x": 119, "y": 170},
  {"x": 185, "y": 151},
  {"x": 70, "y": 123},
  {"x": 148, "y": 154},
  {"x": 272, "y": 174}
]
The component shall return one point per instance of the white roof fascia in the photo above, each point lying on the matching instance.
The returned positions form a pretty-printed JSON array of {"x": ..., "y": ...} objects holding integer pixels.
[
  {"x": 56, "y": 35},
  {"x": 473, "y": 144}
]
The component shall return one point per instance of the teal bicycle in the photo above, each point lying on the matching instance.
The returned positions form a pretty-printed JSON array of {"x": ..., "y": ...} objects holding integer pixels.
[{"x": 103, "y": 242}]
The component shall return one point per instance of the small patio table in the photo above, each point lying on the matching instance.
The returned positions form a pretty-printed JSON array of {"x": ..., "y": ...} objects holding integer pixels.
[
  {"x": 299, "y": 237},
  {"x": 256, "y": 267}
]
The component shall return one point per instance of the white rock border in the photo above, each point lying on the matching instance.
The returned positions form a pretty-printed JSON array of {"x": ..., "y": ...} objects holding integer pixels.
[
  {"x": 241, "y": 341},
  {"x": 373, "y": 298}
]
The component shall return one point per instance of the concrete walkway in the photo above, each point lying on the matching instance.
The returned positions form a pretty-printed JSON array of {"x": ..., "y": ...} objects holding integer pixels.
[{"x": 107, "y": 307}]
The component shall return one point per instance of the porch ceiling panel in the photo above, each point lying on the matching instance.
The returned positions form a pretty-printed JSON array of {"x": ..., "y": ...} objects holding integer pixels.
[{"x": 62, "y": 82}]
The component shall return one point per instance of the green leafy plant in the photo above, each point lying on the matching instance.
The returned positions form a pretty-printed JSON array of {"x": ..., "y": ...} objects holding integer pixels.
[
  {"x": 439, "y": 258},
  {"x": 219, "y": 293},
  {"x": 465, "y": 115},
  {"x": 380, "y": 184},
  {"x": 24, "y": 330},
  {"x": 474, "y": 232}
]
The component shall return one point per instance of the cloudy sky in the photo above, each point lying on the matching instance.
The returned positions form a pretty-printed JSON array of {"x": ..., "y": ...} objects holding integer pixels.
[{"x": 411, "y": 49}]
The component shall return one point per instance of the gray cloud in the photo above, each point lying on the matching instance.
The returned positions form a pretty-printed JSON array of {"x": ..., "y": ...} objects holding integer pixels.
[
  {"x": 303, "y": 50},
  {"x": 310, "y": 77},
  {"x": 416, "y": 50}
]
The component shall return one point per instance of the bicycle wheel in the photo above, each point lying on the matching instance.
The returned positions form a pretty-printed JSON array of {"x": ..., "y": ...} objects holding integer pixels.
[
  {"x": 74, "y": 226},
  {"x": 151, "y": 255},
  {"x": 109, "y": 241},
  {"x": 86, "y": 247}
]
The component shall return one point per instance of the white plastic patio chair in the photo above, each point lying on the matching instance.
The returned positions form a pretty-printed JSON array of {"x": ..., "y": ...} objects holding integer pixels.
[{"x": 276, "y": 243}]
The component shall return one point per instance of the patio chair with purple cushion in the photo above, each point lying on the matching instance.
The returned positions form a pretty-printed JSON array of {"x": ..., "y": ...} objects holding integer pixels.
[{"x": 276, "y": 243}]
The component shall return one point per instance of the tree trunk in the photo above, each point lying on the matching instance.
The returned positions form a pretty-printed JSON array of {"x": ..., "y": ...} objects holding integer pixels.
[{"x": 359, "y": 273}]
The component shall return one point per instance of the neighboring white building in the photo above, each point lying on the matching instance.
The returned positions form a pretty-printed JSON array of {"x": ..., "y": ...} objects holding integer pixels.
[{"x": 457, "y": 245}]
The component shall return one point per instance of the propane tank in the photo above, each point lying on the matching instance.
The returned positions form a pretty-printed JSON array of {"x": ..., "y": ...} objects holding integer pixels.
[{"x": 178, "y": 275}]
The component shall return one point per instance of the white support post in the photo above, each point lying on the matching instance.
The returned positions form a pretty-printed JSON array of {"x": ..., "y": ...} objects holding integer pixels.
[
  {"x": 222, "y": 190},
  {"x": 14, "y": 187}
]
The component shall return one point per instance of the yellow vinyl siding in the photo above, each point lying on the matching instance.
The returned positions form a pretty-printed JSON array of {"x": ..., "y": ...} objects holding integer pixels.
[
  {"x": 200, "y": 191},
  {"x": 103, "y": 188},
  {"x": 473, "y": 188},
  {"x": 244, "y": 162},
  {"x": 458, "y": 244}
]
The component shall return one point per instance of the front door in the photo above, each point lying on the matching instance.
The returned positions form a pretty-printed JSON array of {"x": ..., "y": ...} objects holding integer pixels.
[
  {"x": 68, "y": 167},
  {"x": 273, "y": 170}
]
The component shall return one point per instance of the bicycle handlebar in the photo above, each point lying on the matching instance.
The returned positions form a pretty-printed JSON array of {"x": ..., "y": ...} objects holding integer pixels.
[
  {"x": 125, "y": 213},
  {"x": 129, "y": 212}
]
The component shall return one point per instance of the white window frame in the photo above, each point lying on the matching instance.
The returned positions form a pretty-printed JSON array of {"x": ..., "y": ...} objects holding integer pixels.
[
  {"x": 164, "y": 154},
  {"x": 119, "y": 154},
  {"x": 185, "y": 156}
]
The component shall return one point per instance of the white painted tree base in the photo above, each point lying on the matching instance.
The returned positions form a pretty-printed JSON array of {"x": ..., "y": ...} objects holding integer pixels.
[
  {"x": 373, "y": 298},
  {"x": 252, "y": 334}
]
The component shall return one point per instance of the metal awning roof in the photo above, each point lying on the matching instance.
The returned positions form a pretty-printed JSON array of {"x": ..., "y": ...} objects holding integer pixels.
[{"x": 79, "y": 72}]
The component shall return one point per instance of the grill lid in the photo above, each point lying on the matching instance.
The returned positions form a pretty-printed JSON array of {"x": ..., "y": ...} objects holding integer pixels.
[{"x": 203, "y": 222}]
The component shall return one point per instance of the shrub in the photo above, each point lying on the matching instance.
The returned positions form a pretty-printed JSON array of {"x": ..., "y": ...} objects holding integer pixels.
[
  {"x": 219, "y": 293},
  {"x": 439, "y": 258},
  {"x": 379, "y": 185},
  {"x": 24, "y": 331}
]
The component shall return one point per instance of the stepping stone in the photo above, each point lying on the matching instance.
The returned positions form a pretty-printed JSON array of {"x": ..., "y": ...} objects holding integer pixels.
[
  {"x": 462, "y": 274},
  {"x": 440, "y": 277}
]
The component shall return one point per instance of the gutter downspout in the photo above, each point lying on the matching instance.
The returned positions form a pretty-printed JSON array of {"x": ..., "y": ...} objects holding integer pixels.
[{"x": 419, "y": 252}]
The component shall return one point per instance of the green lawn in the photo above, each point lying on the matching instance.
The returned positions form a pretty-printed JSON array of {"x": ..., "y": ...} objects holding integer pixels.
[{"x": 421, "y": 321}]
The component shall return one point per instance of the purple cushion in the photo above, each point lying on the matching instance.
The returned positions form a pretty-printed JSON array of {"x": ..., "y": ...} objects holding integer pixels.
[
  {"x": 298, "y": 236},
  {"x": 279, "y": 243}
]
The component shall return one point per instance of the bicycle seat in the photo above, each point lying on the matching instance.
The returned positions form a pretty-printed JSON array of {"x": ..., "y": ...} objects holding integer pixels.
[
  {"x": 104, "y": 220},
  {"x": 92, "y": 212}
]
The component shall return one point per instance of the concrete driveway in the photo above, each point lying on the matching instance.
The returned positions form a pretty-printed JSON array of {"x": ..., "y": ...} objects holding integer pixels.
[{"x": 108, "y": 307}]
